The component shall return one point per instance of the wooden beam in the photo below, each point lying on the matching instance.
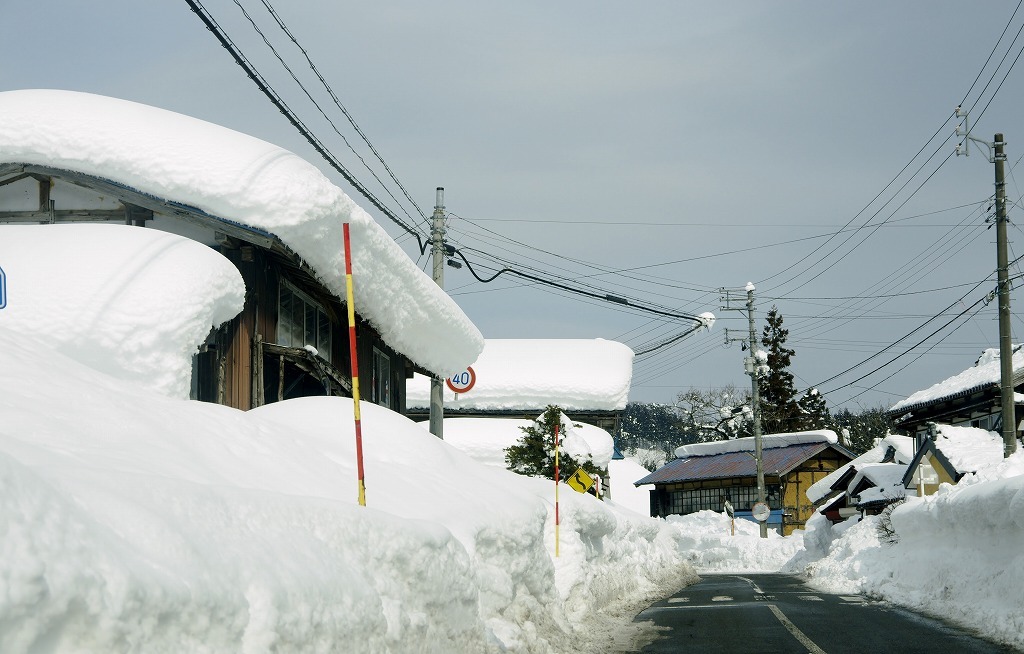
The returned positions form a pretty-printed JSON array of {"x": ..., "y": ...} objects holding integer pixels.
[{"x": 64, "y": 216}]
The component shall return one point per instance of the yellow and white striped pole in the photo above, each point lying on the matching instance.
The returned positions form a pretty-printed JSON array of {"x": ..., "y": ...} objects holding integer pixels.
[{"x": 353, "y": 357}]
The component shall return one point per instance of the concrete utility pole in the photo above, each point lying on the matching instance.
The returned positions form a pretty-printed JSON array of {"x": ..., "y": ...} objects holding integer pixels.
[
  {"x": 1003, "y": 278},
  {"x": 997, "y": 157},
  {"x": 750, "y": 365},
  {"x": 437, "y": 240}
]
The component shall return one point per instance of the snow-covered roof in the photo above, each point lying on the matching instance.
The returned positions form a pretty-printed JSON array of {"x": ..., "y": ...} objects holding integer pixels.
[
  {"x": 530, "y": 374},
  {"x": 748, "y": 445},
  {"x": 984, "y": 372},
  {"x": 134, "y": 303},
  {"x": 969, "y": 449},
  {"x": 886, "y": 480},
  {"x": 486, "y": 439},
  {"x": 903, "y": 447},
  {"x": 240, "y": 178}
]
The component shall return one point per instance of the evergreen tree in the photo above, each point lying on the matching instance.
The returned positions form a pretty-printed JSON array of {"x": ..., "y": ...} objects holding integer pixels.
[
  {"x": 814, "y": 413},
  {"x": 534, "y": 454},
  {"x": 779, "y": 409},
  {"x": 859, "y": 431}
]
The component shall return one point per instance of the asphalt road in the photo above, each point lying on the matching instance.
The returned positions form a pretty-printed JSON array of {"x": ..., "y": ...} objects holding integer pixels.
[{"x": 774, "y": 613}]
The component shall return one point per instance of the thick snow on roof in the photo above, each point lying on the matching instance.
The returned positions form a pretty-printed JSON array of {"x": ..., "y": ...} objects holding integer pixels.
[
  {"x": 886, "y": 477},
  {"x": 747, "y": 444},
  {"x": 984, "y": 371},
  {"x": 241, "y": 178},
  {"x": 485, "y": 439},
  {"x": 969, "y": 449},
  {"x": 903, "y": 446},
  {"x": 528, "y": 374},
  {"x": 134, "y": 303}
]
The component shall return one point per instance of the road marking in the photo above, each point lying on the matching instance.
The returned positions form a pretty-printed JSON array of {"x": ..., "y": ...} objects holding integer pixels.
[
  {"x": 752, "y": 584},
  {"x": 854, "y": 599},
  {"x": 810, "y": 598},
  {"x": 721, "y": 598},
  {"x": 764, "y": 598},
  {"x": 676, "y": 600},
  {"x": 792, "y": 628}
]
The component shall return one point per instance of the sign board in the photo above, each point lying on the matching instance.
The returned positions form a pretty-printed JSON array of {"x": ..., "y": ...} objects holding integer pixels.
[
  {"x": 580, "y": 481},
  {"x": 463, "y": 381},
  {"x": 728, "y": 509},
  {"x": 3, "y": 289},
  {"x": 761, "y": 511}
]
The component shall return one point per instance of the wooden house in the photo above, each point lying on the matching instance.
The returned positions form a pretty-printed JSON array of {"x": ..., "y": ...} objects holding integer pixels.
[
  {"x": 970, "y": 398},
  {"x": 866, "y": 482},
  {"x": 705, "y": 475},
  {"x": 142, "y": 166},
  {"x": 947, "y": 453}
]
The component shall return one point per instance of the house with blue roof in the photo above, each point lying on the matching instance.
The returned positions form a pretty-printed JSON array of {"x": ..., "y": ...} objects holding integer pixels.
[{"x": 704, "y": 476}]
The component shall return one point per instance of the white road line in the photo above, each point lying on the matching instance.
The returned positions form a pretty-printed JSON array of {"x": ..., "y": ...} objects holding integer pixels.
[
  {"x": 752, "y": 584},
  {"x": 721, "y": 598},
  {"x": 810, "y": 598},
  {"x": 676, "y": 600},
  {"x": 792, "y": 628}
]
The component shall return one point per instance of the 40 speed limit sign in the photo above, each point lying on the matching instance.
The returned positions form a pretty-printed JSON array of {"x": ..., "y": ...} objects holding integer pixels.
[{"x": 463, "y": 381}]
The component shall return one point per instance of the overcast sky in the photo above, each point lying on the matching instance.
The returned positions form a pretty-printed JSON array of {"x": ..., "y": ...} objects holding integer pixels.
[{"x": 655, "y": 153}]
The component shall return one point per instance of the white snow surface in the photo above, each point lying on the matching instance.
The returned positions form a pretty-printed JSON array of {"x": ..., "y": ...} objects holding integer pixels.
[
  {"x": 241, "y": 178},
  {"x": 121, "y": 299},
  {"x": 747, "y": 444},
  {"x": 131, "y": 521},
  {"x": 886, "y": 477},
  {"x": 528, "y": 374},
  {"x": 985, "y": 371},
  {"x": 969, "y": 448},
  {"x": 957, "y": 555}
]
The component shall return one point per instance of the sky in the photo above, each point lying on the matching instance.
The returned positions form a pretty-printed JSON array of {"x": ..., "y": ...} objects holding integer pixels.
[{"x": 658, "y": 154}]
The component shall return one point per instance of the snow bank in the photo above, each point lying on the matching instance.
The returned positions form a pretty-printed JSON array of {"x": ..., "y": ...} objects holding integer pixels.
[
  {"x": 134, "y": 521},
  {"x": 530, "y": 374},
  {"x": 240, "y": 178},
  {"x": 710, "y": 545},
  {"x": 958, "y": 553},
  {"x": 135, "y": 303}
]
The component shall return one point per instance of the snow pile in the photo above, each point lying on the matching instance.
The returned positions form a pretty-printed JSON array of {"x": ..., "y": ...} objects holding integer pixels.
[
  {"x": 958, "y": 553},
  {"x": 240, "y": 178},
  {"x": 985, "y": 371},
  {"x": 710, "y": 544},
  {"x": 121, "y": 299},
  {"x": 130, "y": 520},
  {"x": 530, "y": 374},
  {"x": 485, "y": 440},
  {"x": 747, "y": 444}
]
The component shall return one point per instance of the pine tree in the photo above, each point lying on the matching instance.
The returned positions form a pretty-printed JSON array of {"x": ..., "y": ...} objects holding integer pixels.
[
  {"x": 534, "y": 454},
  {"x": 779, "y": 410},
  {"x": 814, "y": 413}
]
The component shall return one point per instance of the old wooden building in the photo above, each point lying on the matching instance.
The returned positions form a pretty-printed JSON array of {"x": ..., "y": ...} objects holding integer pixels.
[
  {"x": 705, "y": 475},
  {"x": 80, "y": 158}
]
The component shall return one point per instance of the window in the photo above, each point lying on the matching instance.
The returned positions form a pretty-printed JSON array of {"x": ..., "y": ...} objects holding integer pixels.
[
  {"x": 682, "y": 502},
  {"x": 381, "y": 383},
  {"x": 301, "y": 322}
]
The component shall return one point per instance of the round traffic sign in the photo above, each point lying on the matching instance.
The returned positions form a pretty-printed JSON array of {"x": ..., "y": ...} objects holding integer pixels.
[
  {"x": 463, "y": 381},
  {"x": 760, "y": 511}
]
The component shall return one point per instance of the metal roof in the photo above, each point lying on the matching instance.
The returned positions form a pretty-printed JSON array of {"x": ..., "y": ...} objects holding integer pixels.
[{"x": 776, "y": 461}]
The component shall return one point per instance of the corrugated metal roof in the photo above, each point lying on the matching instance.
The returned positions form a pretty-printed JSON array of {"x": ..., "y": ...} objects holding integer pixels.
[{"x": 776, "y": 460}]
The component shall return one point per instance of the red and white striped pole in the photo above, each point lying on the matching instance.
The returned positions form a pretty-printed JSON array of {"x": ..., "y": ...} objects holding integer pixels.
[
  {"x": 556, "y": 490},
  {"x": 355, "y": 364}
]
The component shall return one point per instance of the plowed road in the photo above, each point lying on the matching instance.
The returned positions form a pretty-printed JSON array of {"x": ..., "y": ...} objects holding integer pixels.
[{"x": 734, "y": 614}]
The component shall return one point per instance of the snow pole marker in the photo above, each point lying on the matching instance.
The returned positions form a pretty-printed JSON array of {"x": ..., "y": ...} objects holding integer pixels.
[
  {"x": 355, "y": 364},
  {"x": 556, "y": 490}
]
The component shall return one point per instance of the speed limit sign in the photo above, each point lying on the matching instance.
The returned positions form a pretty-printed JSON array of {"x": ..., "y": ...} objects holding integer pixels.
[{"x": 463, "y": 381}]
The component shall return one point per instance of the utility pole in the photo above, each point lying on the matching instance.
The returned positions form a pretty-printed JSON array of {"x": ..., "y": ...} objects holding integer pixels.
[
  {"x": 751, "y": 365},
  {"x": 437, "y": 240},
  {"x": 997, "y": 157}
]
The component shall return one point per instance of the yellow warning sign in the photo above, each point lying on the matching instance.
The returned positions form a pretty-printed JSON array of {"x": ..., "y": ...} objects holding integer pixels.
[{"x": 580, "y": 481}]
